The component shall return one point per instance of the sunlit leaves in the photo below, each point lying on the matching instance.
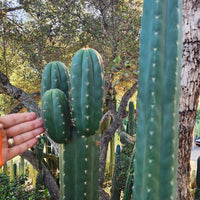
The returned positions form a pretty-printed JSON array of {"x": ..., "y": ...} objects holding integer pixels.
[{"x": 43, "y": 31}]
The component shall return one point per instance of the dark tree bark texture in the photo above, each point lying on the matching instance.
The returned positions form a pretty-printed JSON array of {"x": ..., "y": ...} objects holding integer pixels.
[{"x": 190, "y": 87}]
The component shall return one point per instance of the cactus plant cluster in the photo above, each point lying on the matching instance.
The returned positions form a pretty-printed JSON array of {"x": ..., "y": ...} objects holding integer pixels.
[
  {"x": 71, "y": 111},
  {"x": 124, "y": 157}
]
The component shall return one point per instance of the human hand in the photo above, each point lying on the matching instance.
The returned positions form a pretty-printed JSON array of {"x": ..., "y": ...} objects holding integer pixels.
[{"x": 23, "y": 128}]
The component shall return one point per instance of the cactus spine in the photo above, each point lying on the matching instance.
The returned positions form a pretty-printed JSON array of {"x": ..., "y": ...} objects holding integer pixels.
[
  {"x": 75, "y": 131},
  {"x": 158, "y": 99}
]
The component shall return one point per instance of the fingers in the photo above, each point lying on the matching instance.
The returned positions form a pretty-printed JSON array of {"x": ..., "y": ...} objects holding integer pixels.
[
  {"x": 14, "y": 119},
  {"x": 19, "y": 149},
  {"x": 24, "y": 127},
  {"x": 19, "y": 139}
]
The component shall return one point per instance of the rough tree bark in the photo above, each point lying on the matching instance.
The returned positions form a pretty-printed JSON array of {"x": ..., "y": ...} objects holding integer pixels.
[
  {"x": 190, "y": 86},
  {"x": 7, "y": 88}
]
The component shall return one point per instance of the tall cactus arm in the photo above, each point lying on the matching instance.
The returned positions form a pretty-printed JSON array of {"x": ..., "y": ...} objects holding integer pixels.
[
  {"x": 169, "y": 149},
  {"x": 131, "y": 125},
  {"x": 55, "y": 75},
  {"x": 86, "y": 90},
  {"x": 56, "y": 115},
  {"x": 158, "y": 96}
]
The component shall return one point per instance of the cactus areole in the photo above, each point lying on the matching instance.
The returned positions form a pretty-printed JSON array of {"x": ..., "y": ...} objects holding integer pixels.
[{"x": 158, "y": 101}]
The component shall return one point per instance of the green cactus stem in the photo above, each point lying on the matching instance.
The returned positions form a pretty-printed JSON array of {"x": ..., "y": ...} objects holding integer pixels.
[
  {"x": 158, "y": 101},
  {"x": 115, "y": 190},
  {"x": 197, "y": 191},
  {"x": 39, "y": 157},
  {"x": 55, "y": 75},
  {"x": 79, "y": 168},
  {"x": 87, "y": 90},
  {"x": 198, "y": 173},
  {"x": 56, "y": 115},
  {"x": 21, "y": 167},
  {"x": 131, "y": 125},
  {"x": 129, "y": 180}
]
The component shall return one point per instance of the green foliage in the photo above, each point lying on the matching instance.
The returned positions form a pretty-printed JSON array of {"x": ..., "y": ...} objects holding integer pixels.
[
  {"x": 16, "y": 190},
  {"x": 198, "y": 114},
  {"x": 42, "y": 31}
]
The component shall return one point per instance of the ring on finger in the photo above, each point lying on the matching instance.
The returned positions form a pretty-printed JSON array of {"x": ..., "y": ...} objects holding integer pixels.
[{"x": 11, "y": 142}]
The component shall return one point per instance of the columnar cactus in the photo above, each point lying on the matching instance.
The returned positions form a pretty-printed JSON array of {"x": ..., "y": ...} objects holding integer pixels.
[
  {"x": 71, "y": 117},
  {"x": 197, "y": 191},
  {"x": 115, "y": 190},
  {"x": 158, "y": 100},
  {"x": 86, "y": 90},
  {"x": 130, "y": 177},
  {"x": 131, "y": 125},
  {"x": 198, "y": 173}
]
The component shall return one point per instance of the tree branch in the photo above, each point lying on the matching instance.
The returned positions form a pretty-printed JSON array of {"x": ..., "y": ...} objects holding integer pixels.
[
  {"x": 109, "y": 133},
  {"x": 48, "y": 178},
  {"x": 7, "y": 88},
  {"x": 6, "y": 10},
  {"x": 17, "y": 108}
]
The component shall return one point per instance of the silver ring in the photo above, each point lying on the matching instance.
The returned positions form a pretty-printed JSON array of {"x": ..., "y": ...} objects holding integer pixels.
[{"x": 11, "y": 142}]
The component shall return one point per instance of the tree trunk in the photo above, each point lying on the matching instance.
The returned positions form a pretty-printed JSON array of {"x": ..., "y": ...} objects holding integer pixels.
[{"x": 190, "y": 86}]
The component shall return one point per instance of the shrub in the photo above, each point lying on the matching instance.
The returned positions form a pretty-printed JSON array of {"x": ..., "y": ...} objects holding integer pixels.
[{"x": 16, "y": 189}]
